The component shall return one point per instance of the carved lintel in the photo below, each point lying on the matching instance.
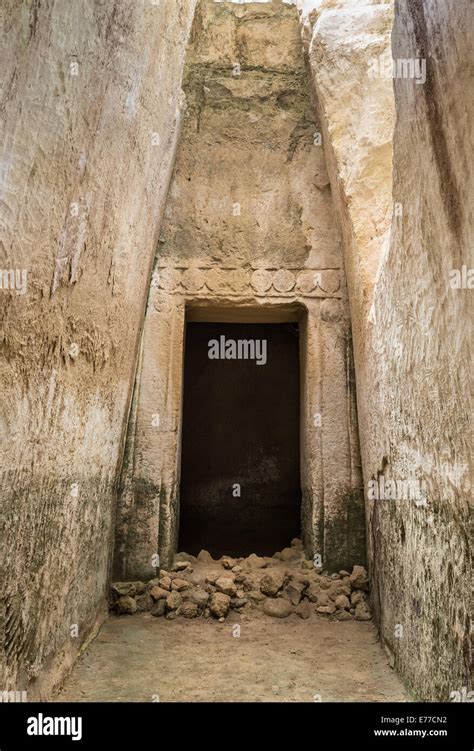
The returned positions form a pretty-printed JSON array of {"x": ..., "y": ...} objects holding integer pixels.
[{"x": 267, "y": 282}]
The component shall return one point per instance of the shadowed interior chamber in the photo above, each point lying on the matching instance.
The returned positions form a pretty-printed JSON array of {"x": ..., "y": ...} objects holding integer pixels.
[{"x": 240, "y": 474}]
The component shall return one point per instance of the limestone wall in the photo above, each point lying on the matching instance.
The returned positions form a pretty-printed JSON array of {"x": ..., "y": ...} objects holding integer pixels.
[
  {"x": 91, "y": 111},
  {"x": 90, "y": 116},
  {"x": 410, "y": 327}
]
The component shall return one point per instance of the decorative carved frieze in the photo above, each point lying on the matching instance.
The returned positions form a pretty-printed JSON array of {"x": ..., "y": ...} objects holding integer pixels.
[{"x": 203, "y": 281}]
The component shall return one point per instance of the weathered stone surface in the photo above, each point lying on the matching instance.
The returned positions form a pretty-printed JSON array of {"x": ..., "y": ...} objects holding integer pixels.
[
  {"x": 197, "y": 580},
  {"x": 159, "y": 608},
  {"x": 126, "y": 605},
  {"x": 342, "y": 602},
  {"x": 200, "y": 597},
  {"x": 82, "y": 199},
  {"x": 303, "y": 609},
  {"x": 294, "y": 591},
  {"x": 155, "y": 582},
  {"x": 250, "y": 582},
  {"x": 173, "y": 600},
  {"x": 144, "y": 602},
  {"x": 238, "y": 602},
  {"x": 179, "y": 584},
  {"x": 72, "y": 390},
  {"x": 205, "y": 557},
  {"x": 305, "y": 578},
  {"x": 255, "y": 595},
  {"x": 323, "y": 600},
  {"x": 182, "y": 566},
  {"x": 254, "y": 561},
  {"x": 226, "y": 585},
  {"x": 213, "y": 576},
  {"x": 184, "y": 557},
  {"x": 188, "y": 610},
  {"x": 359, "y": 578},
  {"x": 287, "y": 582},
  {"x": 362, "y": 612},
  {"x": 313, "y": 592},
  {"x": 272, "y": 582},
  {"x": 399, "y": 253},
  {"x": 219, "y": 604},
  {"x": 165, "y": 582},
  {"x": 157, "y": 593},
  {"x": 288, "y": 554},
  {"x": 326, "y": 609},
  {"x": 339, "y": 589},
  {"x": 277, "y": 607},
  {"x": 342, "y": 615},
  {"x": 358, "y": 596},
  {"x": 120, "y": 589},
  {"x": 324, "y": 582}
]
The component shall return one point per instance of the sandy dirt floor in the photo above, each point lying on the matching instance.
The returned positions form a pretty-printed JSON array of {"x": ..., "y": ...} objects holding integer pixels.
[{"x": 143, "y": 658}]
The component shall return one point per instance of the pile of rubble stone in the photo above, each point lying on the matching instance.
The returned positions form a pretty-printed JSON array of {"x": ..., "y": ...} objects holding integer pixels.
[{"x": 279, "y": 586}]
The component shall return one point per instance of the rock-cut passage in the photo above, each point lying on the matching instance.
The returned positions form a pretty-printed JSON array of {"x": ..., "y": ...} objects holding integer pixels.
[{"x": 240, "y": 477}]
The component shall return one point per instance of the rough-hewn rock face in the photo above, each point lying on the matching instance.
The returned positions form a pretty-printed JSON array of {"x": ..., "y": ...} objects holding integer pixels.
[
  {"x": 422, "y": 324},
  {"x": 409, "y": 329},
  {"x": 90, "y": 110},
  {"x": 249, "y": 232}
]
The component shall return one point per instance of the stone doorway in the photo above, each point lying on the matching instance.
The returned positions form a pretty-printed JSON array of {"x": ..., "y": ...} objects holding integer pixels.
[
  {"x": 332, "y": 521},
  {"x": 249, "y": 235},
  {"x": 240, "y": 489}
]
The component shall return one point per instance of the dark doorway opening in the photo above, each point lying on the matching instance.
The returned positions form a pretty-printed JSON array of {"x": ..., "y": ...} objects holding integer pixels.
[{"x": 240, "y": 464}]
